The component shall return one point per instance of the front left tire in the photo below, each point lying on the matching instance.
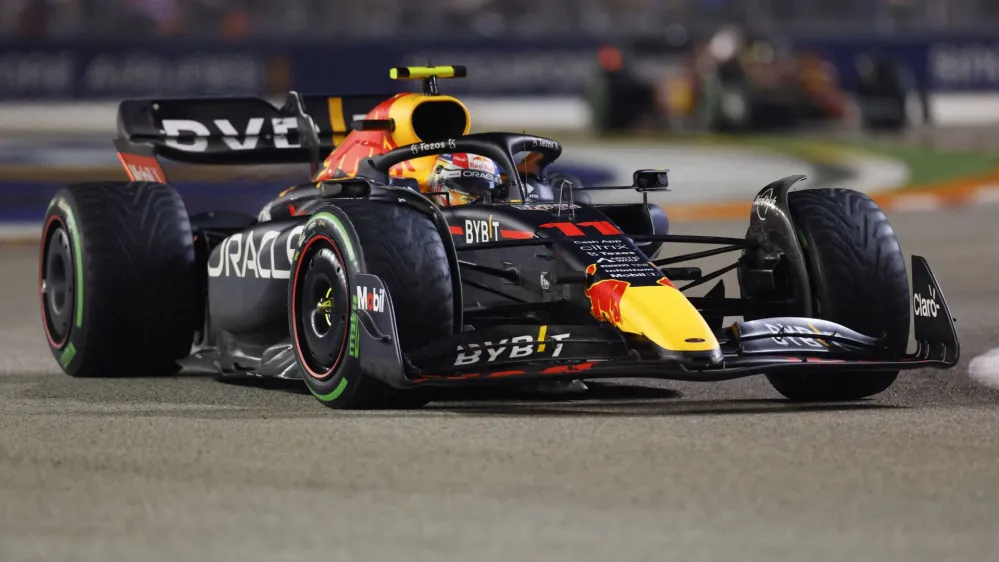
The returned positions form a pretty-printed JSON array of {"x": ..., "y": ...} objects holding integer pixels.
[{"x": 402, "y": 247}]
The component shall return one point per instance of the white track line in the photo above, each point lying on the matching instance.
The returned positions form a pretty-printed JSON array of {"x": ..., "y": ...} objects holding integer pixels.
[
  {"x": 984, "y": 369},
  {"x": 987, "y": 194},
  {"x": 20, "y": 230},
  {"x": 915, "y": 203}
]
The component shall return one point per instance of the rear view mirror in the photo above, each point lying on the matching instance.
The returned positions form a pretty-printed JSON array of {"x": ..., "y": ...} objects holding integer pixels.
[{"x": 651, "y": 180}]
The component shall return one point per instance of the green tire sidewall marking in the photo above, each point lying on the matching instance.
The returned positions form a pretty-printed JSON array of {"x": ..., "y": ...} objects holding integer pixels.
[
  {"x": 353, "y": 337},
  {"x": 353, "y": 341},
  {"x": 74, "y": 234},
  {"x": 332, "y": 395},
  {"x": 335, "y": 221},
  {"x": 67, "y": 355}
]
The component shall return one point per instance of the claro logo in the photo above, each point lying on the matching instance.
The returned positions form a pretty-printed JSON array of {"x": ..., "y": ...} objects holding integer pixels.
[{"x": 926, "y": 307}]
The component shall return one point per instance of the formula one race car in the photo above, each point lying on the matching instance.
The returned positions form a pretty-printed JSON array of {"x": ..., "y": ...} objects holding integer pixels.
[{"x": 373, "y": 292}]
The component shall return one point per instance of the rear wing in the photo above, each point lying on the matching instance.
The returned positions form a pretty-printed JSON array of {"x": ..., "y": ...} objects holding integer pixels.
[{"x": 234, "y": 130}]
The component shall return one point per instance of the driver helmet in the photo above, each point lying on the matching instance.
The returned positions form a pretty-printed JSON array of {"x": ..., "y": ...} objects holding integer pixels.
[{"x": 461, "y": 178}]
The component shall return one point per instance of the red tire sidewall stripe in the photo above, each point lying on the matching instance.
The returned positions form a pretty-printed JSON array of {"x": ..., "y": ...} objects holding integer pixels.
[
  {"x": 41, "y": 275},
  {"x": 294, "y": 306}
]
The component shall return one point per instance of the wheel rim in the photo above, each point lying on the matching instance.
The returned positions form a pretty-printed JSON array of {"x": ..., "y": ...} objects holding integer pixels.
[
  {"x": 321, "y": 307},
  {"x": 58, "y": 286}
]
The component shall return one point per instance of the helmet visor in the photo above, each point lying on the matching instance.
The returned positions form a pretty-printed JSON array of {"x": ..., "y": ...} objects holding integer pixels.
[{"x": 472, "y": 182}]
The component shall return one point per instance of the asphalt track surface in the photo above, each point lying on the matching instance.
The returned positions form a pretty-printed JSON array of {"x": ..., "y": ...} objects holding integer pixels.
[{"x": 193, "y": 468}]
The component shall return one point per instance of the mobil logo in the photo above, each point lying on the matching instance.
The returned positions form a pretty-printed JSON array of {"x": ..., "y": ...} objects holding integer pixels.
[{"x": 605, "y": 297}]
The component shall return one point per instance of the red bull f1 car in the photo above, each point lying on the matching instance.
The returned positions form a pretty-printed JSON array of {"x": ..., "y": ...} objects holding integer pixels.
[{"x": 362, "y": 285}]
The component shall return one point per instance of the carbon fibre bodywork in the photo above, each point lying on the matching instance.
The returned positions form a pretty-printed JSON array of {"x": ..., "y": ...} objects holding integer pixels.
[
  {"x": 544, "y": 286},
  {"x": 527, "y": 277}
]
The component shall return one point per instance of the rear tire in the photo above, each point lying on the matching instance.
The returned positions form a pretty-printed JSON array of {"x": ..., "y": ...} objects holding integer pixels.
[
  {"x": 858, "y": 279},
  {"x": 117, "y": 279},
  {"x": 401, "y": 246}
]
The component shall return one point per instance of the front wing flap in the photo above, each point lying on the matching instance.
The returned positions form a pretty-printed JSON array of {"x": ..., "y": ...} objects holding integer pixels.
[{"x": 730, "y": 368}]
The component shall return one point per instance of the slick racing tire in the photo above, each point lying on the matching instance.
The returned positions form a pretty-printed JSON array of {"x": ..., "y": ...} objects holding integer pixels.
[
  {"x": 117, "y": 279},
  {"x": 858, "y": 279},
  {"x": 401, "y": 246}
]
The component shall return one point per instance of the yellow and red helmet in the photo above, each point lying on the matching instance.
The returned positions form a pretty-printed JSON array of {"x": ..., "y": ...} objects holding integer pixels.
[{"x": 461, "y": 178}]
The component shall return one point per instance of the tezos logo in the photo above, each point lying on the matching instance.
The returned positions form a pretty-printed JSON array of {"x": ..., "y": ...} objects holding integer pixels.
[
  {"x": 926, "y": 307},
  {"x": 429, "y": 146},
  {"x": 764, "y": 202},
  {"x": 544, "y": 143}
]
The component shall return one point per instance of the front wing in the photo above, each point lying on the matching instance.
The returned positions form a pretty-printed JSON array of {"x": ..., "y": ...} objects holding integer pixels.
[{"x": 513, "y": 354}]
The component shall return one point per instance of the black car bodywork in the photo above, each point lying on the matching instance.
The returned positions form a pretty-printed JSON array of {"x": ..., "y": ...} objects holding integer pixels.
[{"x": 545, "y": 286}]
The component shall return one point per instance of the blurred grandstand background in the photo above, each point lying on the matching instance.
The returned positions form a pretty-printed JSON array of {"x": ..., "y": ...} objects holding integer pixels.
[
  {"x": 847, "y": 70},
  {"x": 239, "y": 19}
]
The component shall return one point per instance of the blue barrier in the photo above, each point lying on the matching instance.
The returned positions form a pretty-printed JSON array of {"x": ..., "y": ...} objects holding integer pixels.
[
  {"x": 114, "y": 70},
  {"x": 938, "y": 64},
  {"x": 26, "y": 201}
]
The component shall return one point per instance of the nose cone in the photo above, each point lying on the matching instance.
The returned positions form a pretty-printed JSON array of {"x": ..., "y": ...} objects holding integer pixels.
[{"x": 661, "y": 313}]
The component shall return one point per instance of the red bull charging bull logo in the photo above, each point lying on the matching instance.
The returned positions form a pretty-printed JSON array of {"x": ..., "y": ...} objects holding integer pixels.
[{"x": 605, "y": 297}]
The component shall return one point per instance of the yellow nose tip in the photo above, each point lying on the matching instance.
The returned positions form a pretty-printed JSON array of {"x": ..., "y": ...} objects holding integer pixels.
[{"x": 665, "y": 316}]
